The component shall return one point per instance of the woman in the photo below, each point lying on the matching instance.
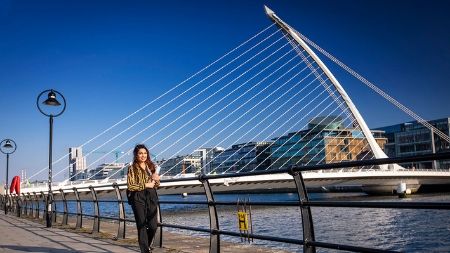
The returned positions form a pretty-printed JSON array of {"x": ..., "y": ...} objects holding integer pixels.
[{"x": 142, "y": 183}]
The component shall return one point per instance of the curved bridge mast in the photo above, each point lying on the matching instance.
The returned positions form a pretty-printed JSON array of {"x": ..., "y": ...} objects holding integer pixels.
[{"x": 377, "y": 151}]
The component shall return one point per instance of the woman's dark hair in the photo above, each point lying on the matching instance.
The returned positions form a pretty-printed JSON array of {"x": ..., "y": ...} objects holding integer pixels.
[{"x": 149, "y": 162}]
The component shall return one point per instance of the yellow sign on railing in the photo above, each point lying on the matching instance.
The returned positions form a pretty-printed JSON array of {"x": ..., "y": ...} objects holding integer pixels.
[{"x": 243, "y": 221}]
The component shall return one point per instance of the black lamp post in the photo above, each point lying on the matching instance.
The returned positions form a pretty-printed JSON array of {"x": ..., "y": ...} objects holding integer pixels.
[
  {"x": 51, "y": 101},
  {"x": 7, "y": 146}
]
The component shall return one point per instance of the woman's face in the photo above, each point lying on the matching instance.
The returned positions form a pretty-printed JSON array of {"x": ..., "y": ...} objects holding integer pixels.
[{"x": 142, "y": 155}]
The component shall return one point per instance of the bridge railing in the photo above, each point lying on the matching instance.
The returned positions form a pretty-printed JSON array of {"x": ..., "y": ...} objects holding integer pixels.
[{"x": 33, "y": 204}]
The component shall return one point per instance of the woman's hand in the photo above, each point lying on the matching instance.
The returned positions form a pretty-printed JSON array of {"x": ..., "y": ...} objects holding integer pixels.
[
  {"x": 155, "y": 177},
  {"x": 150, "y": 184}
]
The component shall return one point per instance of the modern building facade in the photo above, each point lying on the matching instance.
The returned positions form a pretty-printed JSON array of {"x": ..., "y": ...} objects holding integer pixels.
[
  {"x": 325, "y": 141},
  {"x": 244, "y": 157},
  {"x": 181, "y": 165},
  {"x": 206, "y": 155},
  {"x": 105, "y": 170},
  {"x": 77, "y": 164},
  {"x": 412, "y": 138}
]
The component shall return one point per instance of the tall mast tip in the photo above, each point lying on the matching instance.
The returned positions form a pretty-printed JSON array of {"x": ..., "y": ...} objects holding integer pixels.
[{"x": 268, "y": 11}]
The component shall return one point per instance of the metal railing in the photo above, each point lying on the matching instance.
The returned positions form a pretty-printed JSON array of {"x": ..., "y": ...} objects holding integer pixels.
[{"x": 29, "y": 205}]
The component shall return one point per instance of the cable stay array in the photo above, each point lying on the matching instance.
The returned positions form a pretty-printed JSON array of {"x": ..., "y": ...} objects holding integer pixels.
[{"x": 267, "y": 104}]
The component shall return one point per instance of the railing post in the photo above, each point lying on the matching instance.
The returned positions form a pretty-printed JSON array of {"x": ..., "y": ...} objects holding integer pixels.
[
  {"x": 121, "y": 229},
  {"x": 79, "y": 209},
  {"x": 96, "y": 226},
  {"x": 36, "y": 206},
  {"x": 6, "y": 204},
  {"x": 11, "y": 204},
  {"x": 44, "y": 200},
  {"x": 53, "y": 208},
  {"x": 307, "y": 221},
  {"x": 27, "y": 204},
  {"x": 65, "y": 218},
  {"x": 25, "y": 201},
  {"x": 157, "y": 241},
  {"x": 214, "y": 239},
  {"x": 31, "y": 209},
  {"x": 18, "y": 206}
]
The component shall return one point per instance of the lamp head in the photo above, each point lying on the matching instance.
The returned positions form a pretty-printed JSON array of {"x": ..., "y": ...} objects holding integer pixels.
[
  {"x": 51, "y": 100},
  {"x": 8, "y": 144}
]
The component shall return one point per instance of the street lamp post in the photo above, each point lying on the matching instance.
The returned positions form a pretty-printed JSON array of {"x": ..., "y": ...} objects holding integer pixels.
[
  {"x": 7, "y": 146},
  {"x": 50, "y": 101}
]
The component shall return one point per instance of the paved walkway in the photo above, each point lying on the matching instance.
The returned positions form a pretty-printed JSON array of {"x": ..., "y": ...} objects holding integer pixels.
[
  {"x": 25, "y": 235},
  {"x": 21, "y": 235}
]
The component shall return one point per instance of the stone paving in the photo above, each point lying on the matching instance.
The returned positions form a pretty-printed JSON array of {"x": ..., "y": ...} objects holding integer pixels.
[
  {"x": 31, "y": 235},
  {"x": 22, "y": 235}
]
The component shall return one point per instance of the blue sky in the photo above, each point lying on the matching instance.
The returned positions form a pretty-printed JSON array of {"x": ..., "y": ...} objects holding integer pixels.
[{"x": 109, "y": 58}]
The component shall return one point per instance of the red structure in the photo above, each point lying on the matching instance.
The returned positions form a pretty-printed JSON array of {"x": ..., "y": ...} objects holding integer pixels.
[{"x": 15, "y": 185}]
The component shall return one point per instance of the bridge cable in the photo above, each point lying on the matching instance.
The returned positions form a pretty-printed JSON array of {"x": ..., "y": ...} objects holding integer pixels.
[
  {"x": 162, "y": 95},
  {"x": 253, "y": 47},
  {"x": 212, "y": 94},
  {"x": 254, "y": 116},
  {"x": 217, "y": 112},
  {"x": 279, "y": 127},
  {"x": 375, "y": 88}
]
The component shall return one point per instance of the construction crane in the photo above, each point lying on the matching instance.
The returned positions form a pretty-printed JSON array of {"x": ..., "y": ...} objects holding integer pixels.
[{"x": 117, "y": 153}]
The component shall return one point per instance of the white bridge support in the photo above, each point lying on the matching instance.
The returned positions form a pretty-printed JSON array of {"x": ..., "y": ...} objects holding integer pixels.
[
  {"x": 377, "y": 151},
  {"x": 341, "y": 178}
]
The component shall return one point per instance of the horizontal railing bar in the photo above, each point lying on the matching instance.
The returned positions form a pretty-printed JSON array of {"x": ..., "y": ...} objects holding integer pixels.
[
  {"x": 400, "y": 205},
  {"x": 185, "y": 227},
  {"x": 259, "y": 203},
  {"x": 89, "y": 215},
  {"x": 86, "y": 200},
  {"x": 183, "y": 202},
  {"x": 231, "y": 203},
  {"x": 346, "y": 247},
  {"x": 109, "y": 218},
  {"x": 263, "y": 237}
]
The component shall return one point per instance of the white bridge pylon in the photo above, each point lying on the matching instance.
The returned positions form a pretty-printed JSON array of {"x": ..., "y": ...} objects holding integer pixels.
[{"x": 288, "y": 31}]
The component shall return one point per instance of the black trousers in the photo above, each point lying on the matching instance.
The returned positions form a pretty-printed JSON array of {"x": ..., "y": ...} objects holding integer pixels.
[{"x": 144, "y": 204}]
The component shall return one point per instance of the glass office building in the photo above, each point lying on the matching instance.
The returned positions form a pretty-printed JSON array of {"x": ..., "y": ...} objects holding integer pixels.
[
  {"x": 244, "y": 157},
  {"x": 412, "y": 138},
  {"x": 325, "y": 141}
]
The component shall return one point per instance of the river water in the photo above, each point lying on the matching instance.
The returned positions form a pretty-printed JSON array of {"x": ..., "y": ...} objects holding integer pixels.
[{"x": 389, "y": 229}]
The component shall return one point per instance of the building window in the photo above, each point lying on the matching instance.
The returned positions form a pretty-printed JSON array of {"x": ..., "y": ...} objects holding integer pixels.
[{"x": 406, "y": 148}]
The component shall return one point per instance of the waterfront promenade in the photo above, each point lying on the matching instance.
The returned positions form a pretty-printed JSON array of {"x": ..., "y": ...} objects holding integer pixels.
[
  {"x": 25, "y": 235},
  {"x": 22, "y": 235}
]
